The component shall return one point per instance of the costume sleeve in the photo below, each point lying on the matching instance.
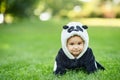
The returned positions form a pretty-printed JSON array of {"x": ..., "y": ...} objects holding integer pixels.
[
  {"x": 59, "y": 69},
  {"x": 90, "y": 62},
  {"x": 58, "y": 65}
]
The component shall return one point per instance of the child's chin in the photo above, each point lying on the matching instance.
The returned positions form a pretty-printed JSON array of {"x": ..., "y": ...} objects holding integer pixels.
[{"x": 75, "y": 54}]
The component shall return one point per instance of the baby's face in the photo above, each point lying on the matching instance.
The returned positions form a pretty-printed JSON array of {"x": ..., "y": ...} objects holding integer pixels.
[{"x": 75, "y": 45}]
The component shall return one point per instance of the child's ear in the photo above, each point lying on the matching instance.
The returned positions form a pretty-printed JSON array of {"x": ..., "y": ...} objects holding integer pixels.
[
  {"x": 85, "y": 27},
  {"x": 65, "y": 27}
]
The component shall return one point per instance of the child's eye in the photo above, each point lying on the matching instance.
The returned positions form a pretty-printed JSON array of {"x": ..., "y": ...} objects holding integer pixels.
[
  {"x": 71, "y": 43},
  {"x": 79, "y": 43}
]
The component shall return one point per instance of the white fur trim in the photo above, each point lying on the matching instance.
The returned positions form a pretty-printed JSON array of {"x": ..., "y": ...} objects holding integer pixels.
[
  {"x": 65, "y": 35},
  {"x": 96, "y": 65},
  {"x": 55, "y": 66}
]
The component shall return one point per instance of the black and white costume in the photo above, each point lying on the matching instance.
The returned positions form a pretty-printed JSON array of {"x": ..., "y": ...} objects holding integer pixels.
[{"x": 65, "y": 60}]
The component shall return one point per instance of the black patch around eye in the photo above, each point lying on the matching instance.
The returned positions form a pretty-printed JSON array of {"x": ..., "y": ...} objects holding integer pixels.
[
  {"x": 71, "y": 29},
  {"x": 85, "y": 26},
  {"x": 79, "y": 29},
  {"x": 65, "y": 27}
]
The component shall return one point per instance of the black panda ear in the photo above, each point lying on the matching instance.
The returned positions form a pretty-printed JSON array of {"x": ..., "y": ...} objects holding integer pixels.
[
  {"x": 65, "y": 27},
  {"x": 85, "y": 27}
]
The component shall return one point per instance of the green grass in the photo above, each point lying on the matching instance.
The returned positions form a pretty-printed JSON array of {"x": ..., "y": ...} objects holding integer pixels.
[{"x": 28, "y": 50}]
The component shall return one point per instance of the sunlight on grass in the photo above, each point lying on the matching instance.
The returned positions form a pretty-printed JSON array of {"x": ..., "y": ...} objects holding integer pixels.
[{"x": 101, "y": 22}]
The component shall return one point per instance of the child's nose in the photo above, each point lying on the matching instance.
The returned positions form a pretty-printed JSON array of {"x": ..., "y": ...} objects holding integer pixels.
[{"x": 76, "y": 46}]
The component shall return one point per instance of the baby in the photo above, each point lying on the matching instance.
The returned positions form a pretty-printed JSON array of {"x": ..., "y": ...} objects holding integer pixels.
[{"x": 75, "y": 53}]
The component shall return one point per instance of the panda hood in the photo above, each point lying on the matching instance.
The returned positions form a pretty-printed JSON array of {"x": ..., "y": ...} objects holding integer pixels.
[{"x": 71, "y": 29}]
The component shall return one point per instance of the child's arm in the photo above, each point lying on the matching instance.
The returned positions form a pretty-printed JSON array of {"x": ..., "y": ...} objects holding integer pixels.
[
  {"x": 58, "y": 68},
  {"x": 90, "y": 63},
  {"x": 59, "y": 63}
]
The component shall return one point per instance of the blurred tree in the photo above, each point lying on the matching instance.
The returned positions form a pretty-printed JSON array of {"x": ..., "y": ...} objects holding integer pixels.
[
  {"x": 19, "y": 8},
  {"x": 61, "y": 8},
  {"x": 2, "y": 6}
]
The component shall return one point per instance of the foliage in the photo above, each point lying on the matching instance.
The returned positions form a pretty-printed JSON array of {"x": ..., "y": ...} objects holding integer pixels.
[
  {"x": 66, "y": 9},
  {"x": 19, "y": 8},
  {"x": 28, "y": 50},
  {"x": 61, "y": 8},
  {"x": 58, "y": 5}
]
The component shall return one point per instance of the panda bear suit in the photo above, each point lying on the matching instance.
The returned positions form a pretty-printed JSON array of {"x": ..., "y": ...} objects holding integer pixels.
[{"x": 85, "y": 60}]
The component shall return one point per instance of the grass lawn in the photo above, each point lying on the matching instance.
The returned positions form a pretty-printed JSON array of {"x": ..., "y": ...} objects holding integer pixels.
[{"x": 28, "y": 50}]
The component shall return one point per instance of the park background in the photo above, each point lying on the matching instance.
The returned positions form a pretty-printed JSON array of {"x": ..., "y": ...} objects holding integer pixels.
[{"x": 30, "y": 37}]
